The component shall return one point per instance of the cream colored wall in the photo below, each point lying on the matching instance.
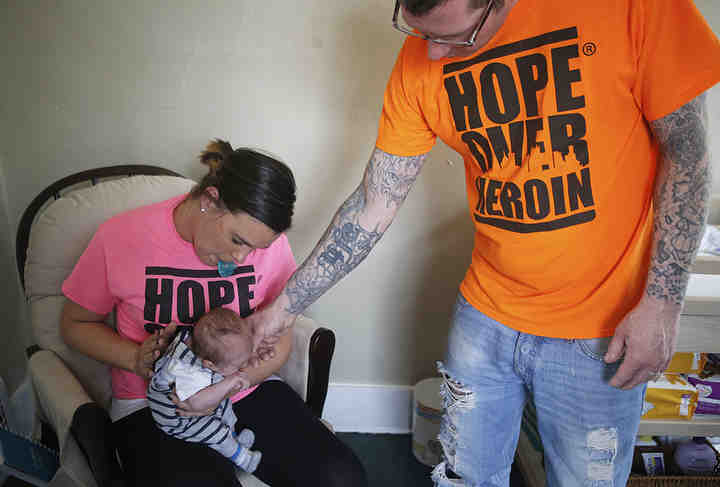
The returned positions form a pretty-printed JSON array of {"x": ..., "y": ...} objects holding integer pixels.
[
  {"x": 14, "y": 334},
  {"x": 12, "y": 329},
  {"x": 90, "y": 83},
  {"x": 711, "y": 10}
]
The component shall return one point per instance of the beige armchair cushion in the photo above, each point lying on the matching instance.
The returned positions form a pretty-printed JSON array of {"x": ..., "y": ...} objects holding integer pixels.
[{"x": 95, "y": 376}]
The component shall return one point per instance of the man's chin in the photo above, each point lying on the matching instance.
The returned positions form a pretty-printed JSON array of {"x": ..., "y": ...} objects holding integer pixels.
[{"x": 457, "y": 55}]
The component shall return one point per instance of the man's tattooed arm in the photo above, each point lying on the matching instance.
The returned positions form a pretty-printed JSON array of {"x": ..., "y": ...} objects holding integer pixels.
[
  {"x": 357, "y": 226},
  {"x": 647, "y": 335},
  {"x": 682, "y": 192}
]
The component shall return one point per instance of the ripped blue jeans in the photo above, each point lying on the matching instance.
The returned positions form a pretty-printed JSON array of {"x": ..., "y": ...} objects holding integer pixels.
[{"x": 587, "y": 427}]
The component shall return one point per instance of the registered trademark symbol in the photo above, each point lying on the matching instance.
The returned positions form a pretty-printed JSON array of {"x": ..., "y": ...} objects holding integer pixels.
[{"x": 589, "y": 48}]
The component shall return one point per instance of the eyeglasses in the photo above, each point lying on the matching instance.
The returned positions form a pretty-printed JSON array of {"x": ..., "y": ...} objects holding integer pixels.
[{"x": 406, "y": 30}]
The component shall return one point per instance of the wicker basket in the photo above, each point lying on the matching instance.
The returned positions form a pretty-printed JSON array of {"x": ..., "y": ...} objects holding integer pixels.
[{"x": 673, "y": 481}]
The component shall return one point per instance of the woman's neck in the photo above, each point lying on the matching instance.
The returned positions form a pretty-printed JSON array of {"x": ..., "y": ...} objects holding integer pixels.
[{"x": 183, "y": 218}]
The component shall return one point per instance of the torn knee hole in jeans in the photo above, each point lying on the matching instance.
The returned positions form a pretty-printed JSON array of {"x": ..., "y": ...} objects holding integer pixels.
[
  {"x": 439, "y": 475},
  {"x": 456, "y": 398},
  {"x": 602, "y": 444},
  {"x": 454, "y": 393}
]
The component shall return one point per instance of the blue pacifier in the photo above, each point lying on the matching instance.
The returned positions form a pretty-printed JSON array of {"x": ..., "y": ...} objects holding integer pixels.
[{"x": 226, "y": 269}]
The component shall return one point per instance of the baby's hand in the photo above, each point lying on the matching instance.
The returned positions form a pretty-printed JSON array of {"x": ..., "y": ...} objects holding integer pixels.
[
  {"x": 193, "y": 405},
  {"x": 240, "y": 381},
  {"x": 206, "y": 400}
]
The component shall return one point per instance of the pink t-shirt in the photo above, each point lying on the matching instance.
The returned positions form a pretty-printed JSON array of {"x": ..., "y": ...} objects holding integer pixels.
[{"x": 138, "y": 264}]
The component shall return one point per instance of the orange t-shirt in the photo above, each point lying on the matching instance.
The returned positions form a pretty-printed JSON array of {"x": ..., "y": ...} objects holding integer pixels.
[{"x": 551, "y": 118}]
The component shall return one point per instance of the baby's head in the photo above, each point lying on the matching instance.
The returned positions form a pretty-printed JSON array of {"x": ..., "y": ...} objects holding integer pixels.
[{"x": 221, "y": 337}]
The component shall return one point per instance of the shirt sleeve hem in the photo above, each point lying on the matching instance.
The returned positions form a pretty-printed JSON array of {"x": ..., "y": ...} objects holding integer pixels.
[
  {"x": 90, "y": 307},
  {"x": 686, "y": 96},
  {"x": 401, "y": 153}
]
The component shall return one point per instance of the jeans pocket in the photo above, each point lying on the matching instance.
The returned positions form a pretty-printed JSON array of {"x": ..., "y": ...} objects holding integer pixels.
[
  {"x": 594, "y": 348},
  {"x": 461, "y": 302}
]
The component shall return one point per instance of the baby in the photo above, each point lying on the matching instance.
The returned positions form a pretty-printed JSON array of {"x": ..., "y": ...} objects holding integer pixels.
[{"x": 203, "y": 369}]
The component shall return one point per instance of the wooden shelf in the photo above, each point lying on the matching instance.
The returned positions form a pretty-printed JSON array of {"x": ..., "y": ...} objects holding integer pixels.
[
  {"x": 706, "y": 264},
  {"x": 698, "y": 426},
  {"x": 698, "y": 333},
  {"x": 700, "y": 322}
]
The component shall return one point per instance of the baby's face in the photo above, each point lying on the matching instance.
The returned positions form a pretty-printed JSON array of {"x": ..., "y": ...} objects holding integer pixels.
[{"x": 237, "y": 349}]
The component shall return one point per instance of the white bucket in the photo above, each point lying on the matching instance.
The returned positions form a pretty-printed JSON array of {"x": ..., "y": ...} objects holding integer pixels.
[{"x": 427, "y": 412}]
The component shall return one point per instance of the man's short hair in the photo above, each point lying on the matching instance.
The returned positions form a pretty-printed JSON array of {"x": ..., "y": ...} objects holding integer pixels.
[{"x": 421, "y": 7}]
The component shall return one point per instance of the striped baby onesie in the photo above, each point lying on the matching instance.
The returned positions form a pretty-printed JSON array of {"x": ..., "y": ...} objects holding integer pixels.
[{"x": 216, "y": 430}]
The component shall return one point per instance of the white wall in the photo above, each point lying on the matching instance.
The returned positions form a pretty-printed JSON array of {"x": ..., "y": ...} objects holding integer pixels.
[
  {"x": 90, "y": 83},
  {"x": 14, "y": 332},
  {"x": 711, "y": 10},
  {"x": 15, "y": 336}
]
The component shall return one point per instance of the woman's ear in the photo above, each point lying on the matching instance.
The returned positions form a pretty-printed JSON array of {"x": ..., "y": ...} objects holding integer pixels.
[{"x": 211, "y": 198}]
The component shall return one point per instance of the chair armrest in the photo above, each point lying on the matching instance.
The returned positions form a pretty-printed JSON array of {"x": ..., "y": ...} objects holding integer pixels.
[
  {"x": 59, "y": 393},
  {"x": 307, "y": 370},
  {"x": 322, "y": 347},
  {"x": 92, "y": 429},
  {"x": 79, "y": 422}
]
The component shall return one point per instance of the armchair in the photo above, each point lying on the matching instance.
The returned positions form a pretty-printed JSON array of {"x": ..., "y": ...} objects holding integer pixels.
[{"x": 73, "y": 390}]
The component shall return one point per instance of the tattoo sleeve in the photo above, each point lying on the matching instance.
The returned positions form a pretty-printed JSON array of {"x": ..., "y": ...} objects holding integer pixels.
[
  {"x": 357, "y": 226},
  {"x": 682, "y": 192}
]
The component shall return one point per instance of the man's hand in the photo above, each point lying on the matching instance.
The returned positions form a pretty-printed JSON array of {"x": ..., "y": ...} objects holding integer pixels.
[
  {"x": 647, "y": 336},
  {"x": 268, "y": 325},
  {"x": 150, "y": 349},
  {"x": 648, "y": 333}
]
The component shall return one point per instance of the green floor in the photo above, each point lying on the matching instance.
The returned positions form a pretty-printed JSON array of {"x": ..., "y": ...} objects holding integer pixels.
[{"x": 388, "y": 460}]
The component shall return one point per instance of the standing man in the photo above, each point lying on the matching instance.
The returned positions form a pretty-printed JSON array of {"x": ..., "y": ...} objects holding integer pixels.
[{"x": 582, "y": 126}]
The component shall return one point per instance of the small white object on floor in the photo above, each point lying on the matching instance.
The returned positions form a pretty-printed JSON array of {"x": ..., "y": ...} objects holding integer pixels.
[
  {"x": 710, "y": 243},
  {"x": 427, "y": 413}
]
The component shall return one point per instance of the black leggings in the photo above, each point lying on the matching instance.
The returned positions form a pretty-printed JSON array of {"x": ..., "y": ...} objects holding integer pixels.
[{"x": 297, "y": 449}]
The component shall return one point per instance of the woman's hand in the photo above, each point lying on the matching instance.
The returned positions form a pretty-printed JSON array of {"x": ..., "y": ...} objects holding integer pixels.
[{"x": 150, "y": 349}]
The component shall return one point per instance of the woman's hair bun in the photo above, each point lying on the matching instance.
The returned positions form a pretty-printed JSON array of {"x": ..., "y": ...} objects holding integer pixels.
[
  {"x": 250, "y": 181},
  {"x": 215, "y": 153}
]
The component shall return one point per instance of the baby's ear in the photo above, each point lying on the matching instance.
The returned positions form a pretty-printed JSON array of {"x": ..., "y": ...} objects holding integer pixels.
[{"x": 208, "y": 364}]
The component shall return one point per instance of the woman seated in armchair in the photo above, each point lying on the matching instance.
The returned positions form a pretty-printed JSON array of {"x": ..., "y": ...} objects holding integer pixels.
[{"x": 221, "y": 245}]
